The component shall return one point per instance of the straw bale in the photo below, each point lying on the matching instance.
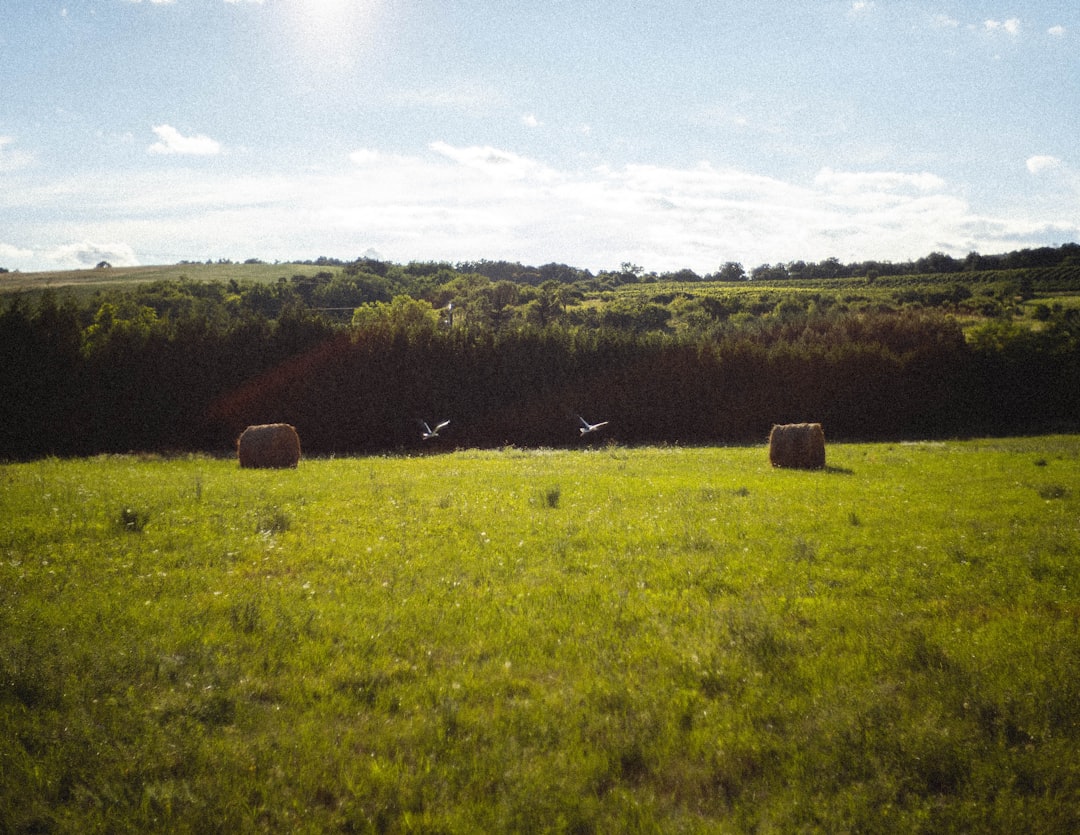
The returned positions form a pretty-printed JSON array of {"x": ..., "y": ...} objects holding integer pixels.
[
  {"x": 269, "y": 445},
  {"x": 797, "y": 446}
]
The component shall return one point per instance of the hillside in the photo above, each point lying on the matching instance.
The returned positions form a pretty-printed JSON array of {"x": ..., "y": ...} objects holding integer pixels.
[
  {"x": 86, "y": 282},
  {"x": 355, "y": 354}
]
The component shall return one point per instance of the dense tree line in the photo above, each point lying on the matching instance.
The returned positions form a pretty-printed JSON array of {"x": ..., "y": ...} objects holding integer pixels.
[
  {"x": 934, "y": 264},
  {"x": 354, "y": 357}
]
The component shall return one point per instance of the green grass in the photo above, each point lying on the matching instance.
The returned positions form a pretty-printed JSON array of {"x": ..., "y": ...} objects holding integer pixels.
[{"x": 677, "y": 640}]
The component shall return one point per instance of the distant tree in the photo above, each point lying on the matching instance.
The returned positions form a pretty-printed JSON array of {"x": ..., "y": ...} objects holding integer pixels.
[
  {"x": 765, "y": 272},
  {"x": 973, "y": 262},
  {"x": 549, "y": 305},
  {"x": 426, "y": 268},
  {"x": 502, "y": 295},
  {"x": 403, "y": 314},
  {"x": 796, "y": 268},
  {"x": 731, "y": 271},
  {"x": 103, "y": 265},
  {"x": 561, "y": 273},
  {"x": 367, "y": 265},
  {"x": 685, "y": 274},
  {"x": 830, "y": 268},
  {"x": 938, "y": 262}
]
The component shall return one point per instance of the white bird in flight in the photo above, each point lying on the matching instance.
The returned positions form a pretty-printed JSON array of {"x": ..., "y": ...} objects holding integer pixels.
[
  {"x": 587, "y": 427},
  {"x": 430, "y": 433}
]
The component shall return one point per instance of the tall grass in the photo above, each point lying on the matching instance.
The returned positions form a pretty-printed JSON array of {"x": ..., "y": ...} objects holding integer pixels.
[{"x": 608, "y": 640}]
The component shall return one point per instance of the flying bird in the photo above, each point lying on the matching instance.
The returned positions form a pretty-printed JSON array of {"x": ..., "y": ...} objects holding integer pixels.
[
  {"x": 430, "y": 433},
  {"x": 587, "y": 427}
]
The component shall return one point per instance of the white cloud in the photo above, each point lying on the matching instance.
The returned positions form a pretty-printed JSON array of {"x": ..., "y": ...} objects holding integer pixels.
[
  {"x": 943, "y": 21},
  {"x": 529, "y": 120},
  {"x": 88, "y": 254},
  {"x": 1010, "y": 26},
  {"x": 861, "y": 6},
  {"x": 877, "y": 181},
  {"x": 467, "y": 202},
  {"x": 9, "y": 252},
  {"x": 171, "y": 141},
  {"x": 1042, "y": 163},
  {"x": 1056, "y": 31},
  {"x": 12, "y": 159},
  {"x": 492, "y": 203},
  {"x": 493, "y": 162},
  {"x": 365, "y": 156}
]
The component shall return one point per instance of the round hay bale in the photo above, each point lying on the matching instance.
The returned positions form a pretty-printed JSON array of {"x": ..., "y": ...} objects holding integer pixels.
[
  {"x": 269, "y": 445},
  {"x": 799, "y": 446}
]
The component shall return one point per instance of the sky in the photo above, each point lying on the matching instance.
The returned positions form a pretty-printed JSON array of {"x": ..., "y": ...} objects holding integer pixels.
[{"x": 670, "y": 134}]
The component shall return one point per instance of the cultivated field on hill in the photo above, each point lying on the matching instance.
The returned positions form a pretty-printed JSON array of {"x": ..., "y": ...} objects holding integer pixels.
[
  {"x": 605, "y": 640},
  {"x": 84, "y": 283}
]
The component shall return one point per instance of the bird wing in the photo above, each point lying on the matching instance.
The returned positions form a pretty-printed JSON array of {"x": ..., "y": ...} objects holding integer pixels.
[
  {"x": 427, "y": 429},
  {"x": 584, "y": 422},
  {"x": 442, "y": 425},
  {"x": 601, "y": 423}
]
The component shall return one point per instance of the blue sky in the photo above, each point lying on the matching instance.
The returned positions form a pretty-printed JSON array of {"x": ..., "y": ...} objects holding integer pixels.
[{"x": 672, "y": 134}]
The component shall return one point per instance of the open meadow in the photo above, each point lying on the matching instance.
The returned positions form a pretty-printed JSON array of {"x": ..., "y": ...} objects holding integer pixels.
[{"x": 603, "y": 640}]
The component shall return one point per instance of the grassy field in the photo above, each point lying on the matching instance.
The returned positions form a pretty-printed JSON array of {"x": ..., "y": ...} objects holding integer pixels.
[
  {"x": 605, "y": 640},
  {"x": 86, "y": 282}
]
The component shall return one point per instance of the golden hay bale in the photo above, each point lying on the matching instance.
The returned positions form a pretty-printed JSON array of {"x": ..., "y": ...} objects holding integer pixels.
[
  {"x": 269, "y": 445},
  {"x": 798, "y": 446}
]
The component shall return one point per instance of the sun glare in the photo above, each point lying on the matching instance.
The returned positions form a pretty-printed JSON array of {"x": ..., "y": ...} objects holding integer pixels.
[
  {"x": 332, "y": 32},
  {"x": 329, "y": 12}
]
